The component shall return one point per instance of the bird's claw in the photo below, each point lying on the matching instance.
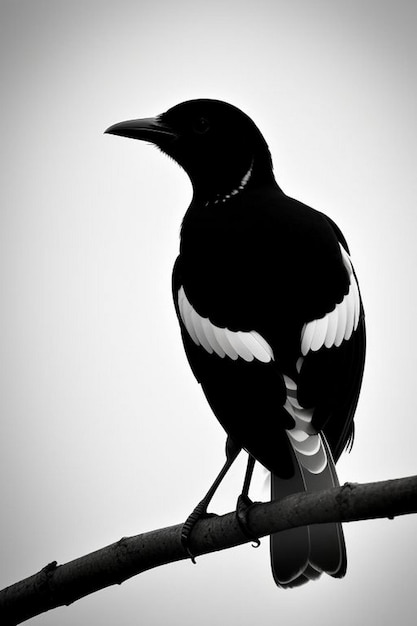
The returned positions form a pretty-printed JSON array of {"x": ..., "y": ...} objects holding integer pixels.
[
  {"x": 244, "y": 504},
  {"x": 199, "y": 512}
]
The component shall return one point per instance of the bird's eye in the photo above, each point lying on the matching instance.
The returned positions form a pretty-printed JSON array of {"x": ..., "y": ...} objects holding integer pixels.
[{"x": 201, "y": 125}]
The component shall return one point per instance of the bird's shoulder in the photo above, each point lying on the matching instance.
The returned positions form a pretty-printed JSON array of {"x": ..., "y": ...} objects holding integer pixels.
[{"x": 266, "y": 220}]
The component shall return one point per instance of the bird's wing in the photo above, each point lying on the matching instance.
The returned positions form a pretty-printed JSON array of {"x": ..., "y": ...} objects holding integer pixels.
[
  {"x": 331, "y": 365},
  {"x": 241, "y": 381}
]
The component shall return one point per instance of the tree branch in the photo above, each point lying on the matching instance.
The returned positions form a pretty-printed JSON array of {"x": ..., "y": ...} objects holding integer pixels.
[{"x": 58, "y": 585}]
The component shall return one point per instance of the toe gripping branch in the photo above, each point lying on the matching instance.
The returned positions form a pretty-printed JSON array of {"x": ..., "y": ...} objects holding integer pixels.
[
  {"x": 243, "y": 506},
  {"x": 200, "y": 512}
]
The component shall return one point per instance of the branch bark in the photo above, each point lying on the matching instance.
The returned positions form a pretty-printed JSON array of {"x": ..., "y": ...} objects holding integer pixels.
[{"x": 57, "y": 585}]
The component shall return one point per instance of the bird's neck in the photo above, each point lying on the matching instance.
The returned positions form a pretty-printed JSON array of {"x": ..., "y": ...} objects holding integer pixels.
[
  {"x": 223, "y": 196},
  {"x": 219, "y": 192}
]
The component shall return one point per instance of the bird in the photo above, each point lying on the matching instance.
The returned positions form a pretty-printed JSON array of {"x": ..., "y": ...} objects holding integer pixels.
[{"x": 271, "y": 320}]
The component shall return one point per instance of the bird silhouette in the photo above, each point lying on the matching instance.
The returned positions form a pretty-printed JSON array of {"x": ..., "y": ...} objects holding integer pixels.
[{"x": 271, "y": 320}]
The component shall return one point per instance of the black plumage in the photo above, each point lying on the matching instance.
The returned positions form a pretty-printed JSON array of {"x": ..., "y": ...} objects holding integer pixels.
[{"x": 270, "y": 315}]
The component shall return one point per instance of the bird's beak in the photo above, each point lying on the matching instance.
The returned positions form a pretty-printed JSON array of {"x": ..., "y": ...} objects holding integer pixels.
[{"x": 147, "y": 129}]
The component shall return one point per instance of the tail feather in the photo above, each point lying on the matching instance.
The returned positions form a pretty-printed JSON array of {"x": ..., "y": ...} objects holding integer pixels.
[
  {"x": 302, "y": 554},
  {"x": 310, "y": 573},
  {"x": 289, "y": 555}
]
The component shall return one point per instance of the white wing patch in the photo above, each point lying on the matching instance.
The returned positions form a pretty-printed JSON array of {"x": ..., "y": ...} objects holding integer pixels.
[
  {"x": 331, "y": 329},
  {"x": 246, "y": 345}
]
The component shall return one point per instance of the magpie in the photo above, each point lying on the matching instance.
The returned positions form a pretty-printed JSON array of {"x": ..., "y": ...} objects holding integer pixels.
[{"x": 271, "y": 319}]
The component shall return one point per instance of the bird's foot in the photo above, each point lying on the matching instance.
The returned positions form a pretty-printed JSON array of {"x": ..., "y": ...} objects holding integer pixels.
[
  {"x": 200, "y": 512},
  {"x": 243, "y": 506}
]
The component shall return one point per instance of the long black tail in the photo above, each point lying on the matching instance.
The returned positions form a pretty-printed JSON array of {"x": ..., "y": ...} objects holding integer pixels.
[{"x": 302, "y": 554}]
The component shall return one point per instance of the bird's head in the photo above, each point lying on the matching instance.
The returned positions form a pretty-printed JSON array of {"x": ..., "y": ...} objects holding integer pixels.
[{"x": 217, "y": 144}]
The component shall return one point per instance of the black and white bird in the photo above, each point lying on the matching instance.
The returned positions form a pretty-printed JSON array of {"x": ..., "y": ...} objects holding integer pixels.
[{"x": 271, "y": 319}]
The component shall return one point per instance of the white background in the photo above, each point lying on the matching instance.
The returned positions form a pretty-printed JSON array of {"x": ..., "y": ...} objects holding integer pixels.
[{"x": 104, "y": 431}]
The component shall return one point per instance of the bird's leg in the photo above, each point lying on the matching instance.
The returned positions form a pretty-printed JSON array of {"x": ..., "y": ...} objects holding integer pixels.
[
  {"x": 232, "y": 450},
  {"x": 244, "y": 503}
]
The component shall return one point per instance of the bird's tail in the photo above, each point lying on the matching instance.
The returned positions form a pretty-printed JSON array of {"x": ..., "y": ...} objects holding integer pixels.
[{"x": 302, "y": 554}]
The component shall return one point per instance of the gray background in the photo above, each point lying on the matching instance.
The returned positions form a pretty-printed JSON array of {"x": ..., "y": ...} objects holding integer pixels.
[{"x": 104, "y": 431}]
